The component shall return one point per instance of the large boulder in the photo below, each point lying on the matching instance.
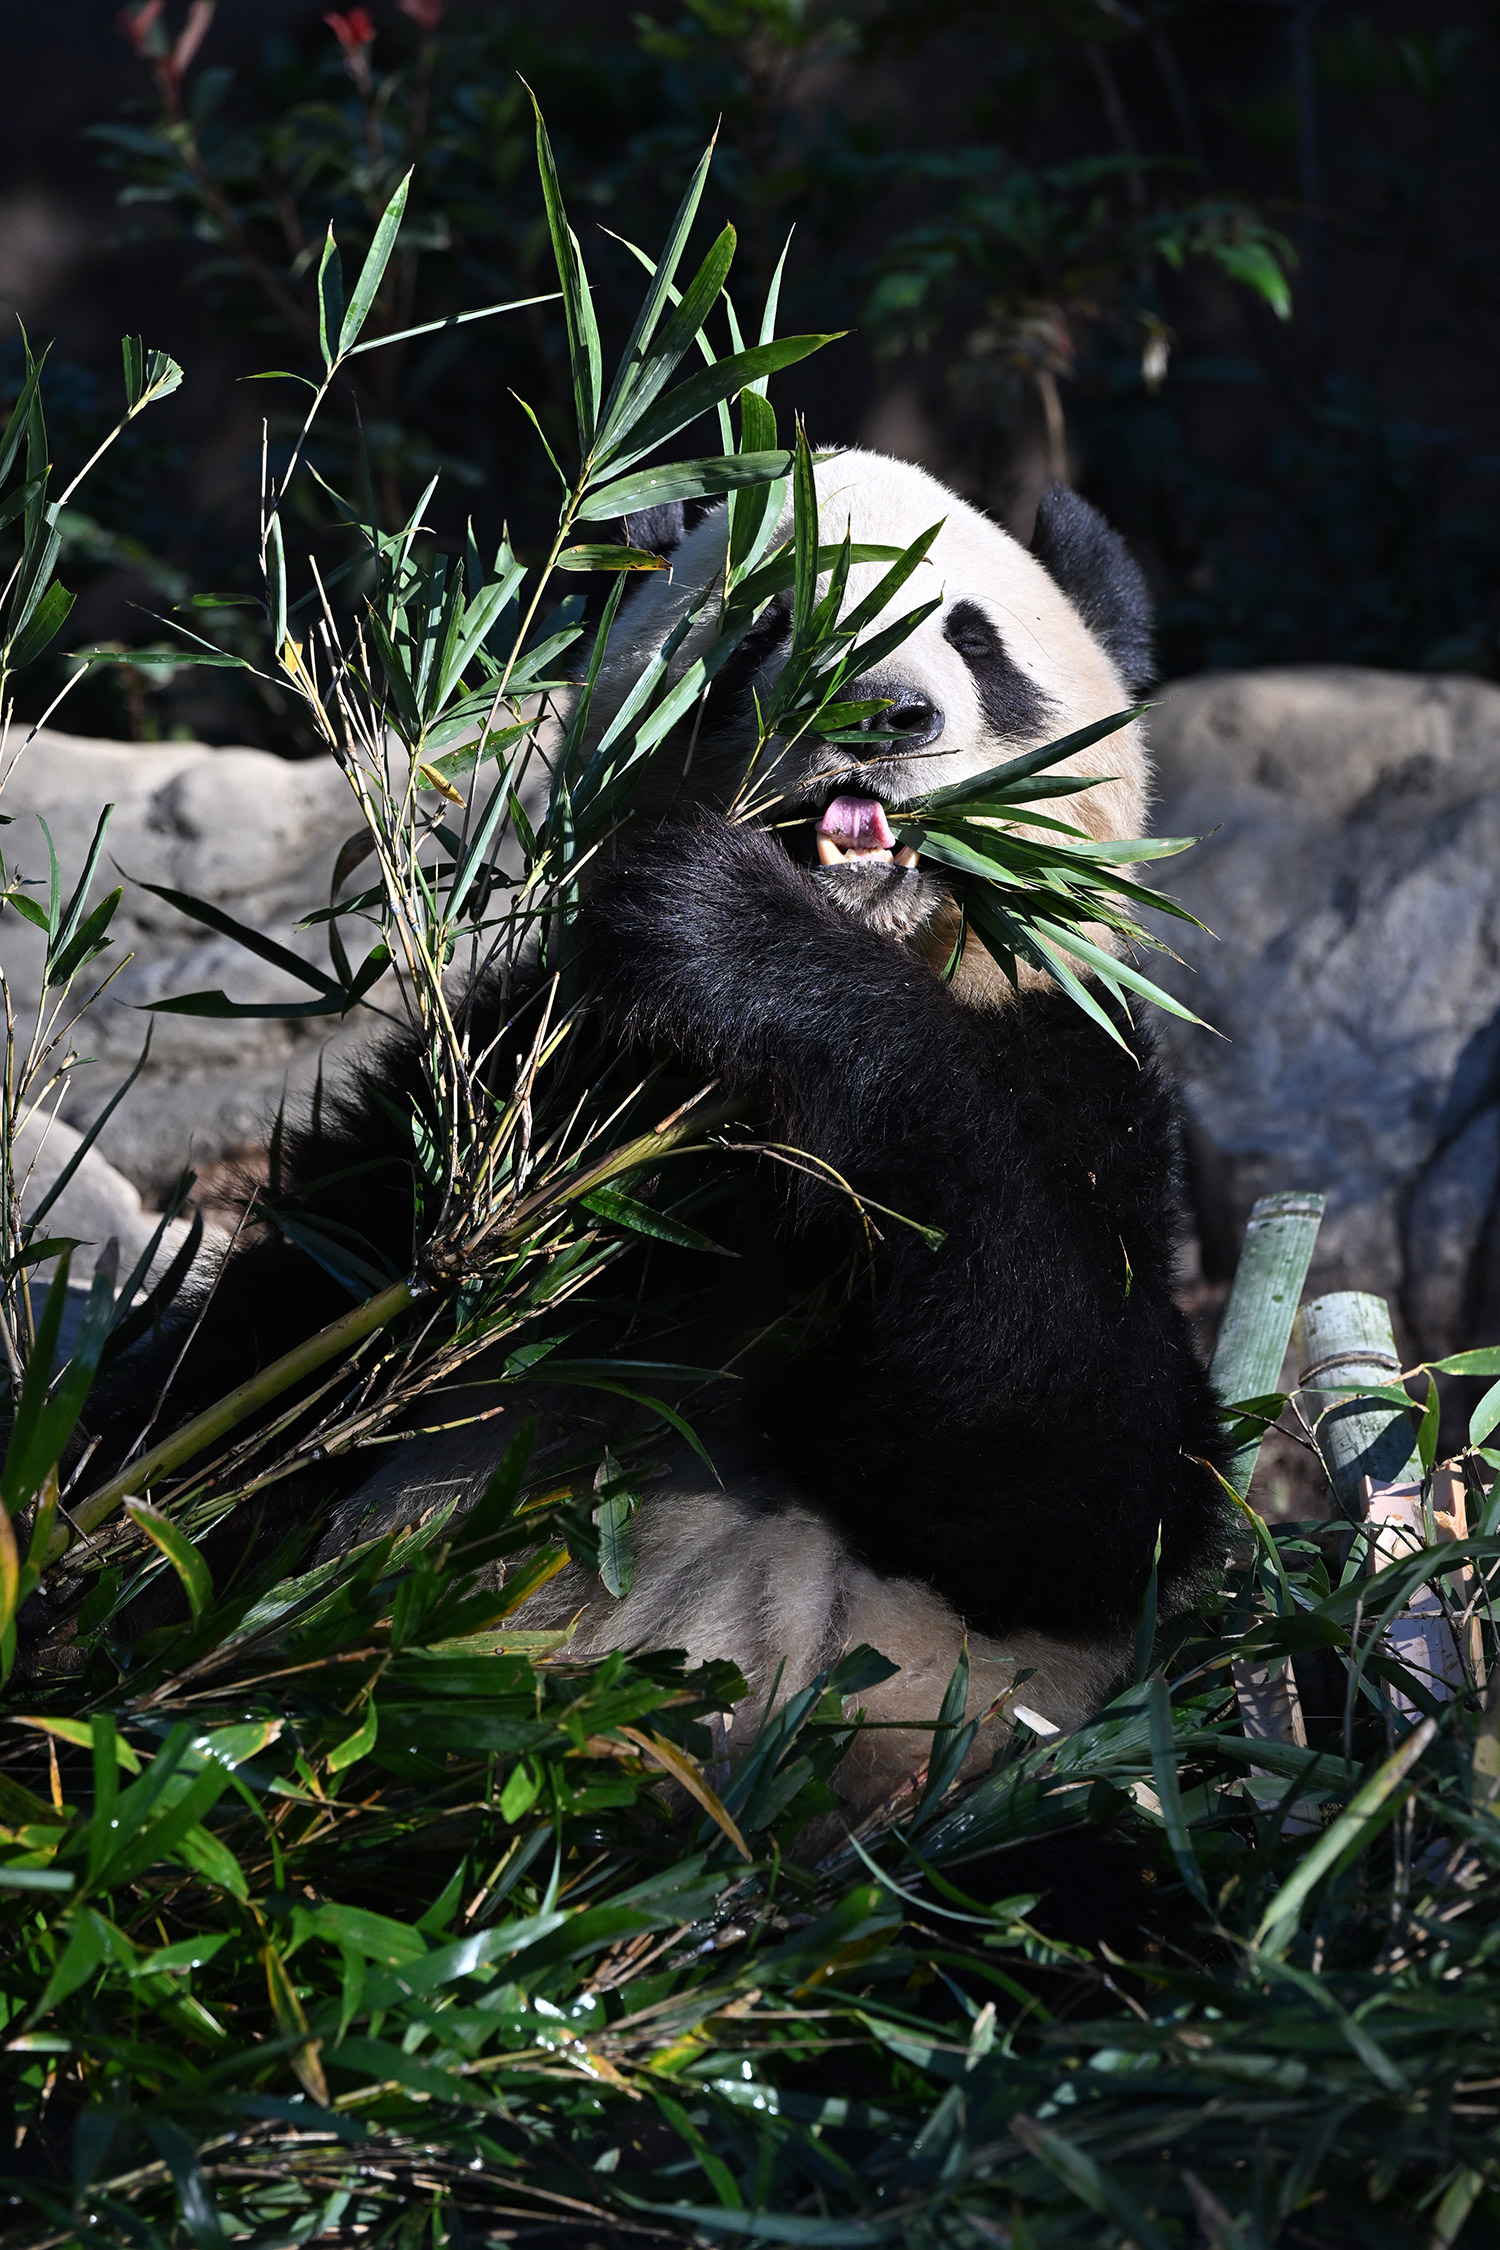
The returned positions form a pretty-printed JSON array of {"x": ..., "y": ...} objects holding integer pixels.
[
  {"x": 253, "y": 834},
  {"x": 1352, "y": 875}
]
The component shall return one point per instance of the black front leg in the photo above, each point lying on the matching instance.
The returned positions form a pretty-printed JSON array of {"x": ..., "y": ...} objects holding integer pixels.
[{"x": 708, "y": 939}]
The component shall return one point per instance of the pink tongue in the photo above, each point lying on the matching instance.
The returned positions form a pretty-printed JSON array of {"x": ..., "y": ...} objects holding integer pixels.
[{"x": 858, "y": 822}]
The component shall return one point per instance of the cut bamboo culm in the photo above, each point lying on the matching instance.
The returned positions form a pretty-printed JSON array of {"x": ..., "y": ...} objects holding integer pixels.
[
  {"x": 1343, "y": 1341},
  {"x": 1257, "y": 1324},
  {"x": 1247, "y": 1364}
]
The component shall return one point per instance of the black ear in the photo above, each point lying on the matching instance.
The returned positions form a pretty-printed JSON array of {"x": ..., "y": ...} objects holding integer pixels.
[
  {"x": 656, "y": 531},
  {"x": 1100, "y": 576}
]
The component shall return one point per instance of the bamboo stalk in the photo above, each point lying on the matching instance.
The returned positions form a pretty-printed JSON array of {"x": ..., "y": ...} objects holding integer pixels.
[
  {"x": 352, "y": 1328},
  {"x": 1247, "y": 1363},
  {"x": 235, "y": 1407},
  {"x": 1258, "y": 1318},
  {"x": 1343, "y": 1339}
]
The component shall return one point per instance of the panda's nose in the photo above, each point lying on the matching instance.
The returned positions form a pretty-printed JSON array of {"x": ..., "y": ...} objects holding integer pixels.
[{"x": 911, "y": 716}]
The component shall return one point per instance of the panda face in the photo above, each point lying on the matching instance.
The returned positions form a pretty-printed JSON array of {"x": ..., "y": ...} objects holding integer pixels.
[{"x": 1005, "y": 662}]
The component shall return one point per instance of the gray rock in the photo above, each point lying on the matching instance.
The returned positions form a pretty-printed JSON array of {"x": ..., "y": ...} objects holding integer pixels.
[
  {"x": 1353, "y": 878},
  {"x": 253, "y": 834}
]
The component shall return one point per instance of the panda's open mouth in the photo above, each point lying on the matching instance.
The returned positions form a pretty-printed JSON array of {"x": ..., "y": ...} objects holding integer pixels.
[{"x": 854, "y": 830}]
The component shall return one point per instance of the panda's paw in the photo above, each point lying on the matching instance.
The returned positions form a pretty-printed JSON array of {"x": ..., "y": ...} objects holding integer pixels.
[{"x": 681, "y": 927}]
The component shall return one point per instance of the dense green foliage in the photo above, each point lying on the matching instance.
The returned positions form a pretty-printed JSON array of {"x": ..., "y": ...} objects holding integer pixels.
[
  {"x": 1064, "y": 236},
  {"x": 333, "y": 1909}
]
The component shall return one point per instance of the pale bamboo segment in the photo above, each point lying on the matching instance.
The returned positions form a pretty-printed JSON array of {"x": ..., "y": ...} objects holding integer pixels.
[
  {"x": 1257, "y": 1323},
  {"x": 1346, "y": 1340},
  {"x": 1247, "y": 1364}
]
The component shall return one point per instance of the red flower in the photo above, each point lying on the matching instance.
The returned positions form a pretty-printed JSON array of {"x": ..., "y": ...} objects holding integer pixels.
[
  {"x": 354, "y": 31},
  {"x": 137, "y": 25},
  {"x": 427, "y": 13},
  {"x": 148, "y": 34}
]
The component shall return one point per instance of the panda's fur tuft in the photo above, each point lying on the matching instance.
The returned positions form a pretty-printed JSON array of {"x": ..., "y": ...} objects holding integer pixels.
[{"x": 990, "y": 1422}]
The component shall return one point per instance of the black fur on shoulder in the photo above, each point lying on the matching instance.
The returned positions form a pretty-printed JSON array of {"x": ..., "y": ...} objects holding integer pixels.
[
  {"x": 1101, "y": 578},
  {"x": 1011, "y": 1416}
]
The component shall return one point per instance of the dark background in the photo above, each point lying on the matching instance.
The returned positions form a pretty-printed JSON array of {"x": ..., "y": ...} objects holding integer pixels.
[{"x": 974, "y": 189}]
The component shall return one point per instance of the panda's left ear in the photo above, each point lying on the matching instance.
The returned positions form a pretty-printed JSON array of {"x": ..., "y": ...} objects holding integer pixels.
[{"x": 1100, "y": 576}]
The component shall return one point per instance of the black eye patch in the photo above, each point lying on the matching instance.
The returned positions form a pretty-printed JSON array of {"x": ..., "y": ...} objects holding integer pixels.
[
  {"x": 1013, "y": 704},
  {"x": 729, "y": 696}
]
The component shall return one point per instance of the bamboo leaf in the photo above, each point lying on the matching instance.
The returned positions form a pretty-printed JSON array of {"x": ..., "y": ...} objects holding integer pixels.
[
  {"x": 683, "y": 480},
  {"x": 330, "y": 300},
  {"x": 583, "y": 330},
  {"x": 372, "y": 272},
  {"x": 254, "y": 941},
  {"x": 703, "y": 391},
  {"x": 185, "y": 1558},
  {"x": 1349, "y": 1835}
]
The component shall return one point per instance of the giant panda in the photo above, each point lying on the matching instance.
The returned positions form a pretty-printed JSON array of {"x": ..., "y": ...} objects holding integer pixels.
[{"x": 979, "y": 1443}]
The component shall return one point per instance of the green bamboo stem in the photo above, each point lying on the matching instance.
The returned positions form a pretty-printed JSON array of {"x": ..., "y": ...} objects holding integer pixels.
[
  {"x": 1342, "y": 1339},
  {"x": 1258, "y": 1318},
  {"x": 219, "y": 1419},
  {"x": 352, "y": 1328}
]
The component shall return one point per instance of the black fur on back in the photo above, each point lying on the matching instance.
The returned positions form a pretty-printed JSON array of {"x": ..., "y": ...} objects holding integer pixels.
[
  {"x": 1101, "y": 578},
  {"x": 1010, "y": 1416}
]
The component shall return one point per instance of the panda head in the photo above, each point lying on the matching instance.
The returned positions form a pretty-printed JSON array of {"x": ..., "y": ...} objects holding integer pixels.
[{"x": 1025, "y": 646}]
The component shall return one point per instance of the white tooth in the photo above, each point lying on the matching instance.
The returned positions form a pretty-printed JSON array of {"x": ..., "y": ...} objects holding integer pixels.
[
  {"x": 906, "y": 856},
  {"x": 830, "y": 853}
]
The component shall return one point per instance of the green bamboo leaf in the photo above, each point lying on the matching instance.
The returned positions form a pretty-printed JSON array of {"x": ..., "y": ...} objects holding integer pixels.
[
  {"x": 683, "y": 480},
  {"x": 454, "y": 320},
  {"x": 87, "y": 944},
  {"x": 330, "y": 299},
  {"x": 358, "y": 1744},
  {"x": 372, "y": 272},
  {"x": 609, "y": 558},
  {"x": 1110, "y": 968},
  {"x": 1485, "y": 1415},
  {"x": 254, "y": 941},
  {"x": 754, "y": 509},
  {"x": 185, "y": 1558},
  {"x": 1090, "y": 2182},
  {"x": 804, "y": 540},
  {"x": 703, "y": 391},
  {"x": 220, "y": 1008},
  {"x": 624, "y": 1211},
  {"x": 1427, "y": 1429},
  {"x": 1029, "y": 762},
  {"x": 1483, "y": 1362},
  {"x": 160, "y": 659},
  {"x": 47, "y": 619},
  {"x": 583, "y": 330},
  {"x": 1363, "y": 1817},
  {"x": 20, "y": 417},
  {"x": 641, "y": 380},
  {"x": 1164, "y": 1772},
  {"x": 663, "y": 275}
]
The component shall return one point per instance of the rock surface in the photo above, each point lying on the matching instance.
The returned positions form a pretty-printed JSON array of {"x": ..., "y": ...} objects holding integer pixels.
[
  {"x": 253, "y": 834},
  {"x": 1353, "y": 878}
]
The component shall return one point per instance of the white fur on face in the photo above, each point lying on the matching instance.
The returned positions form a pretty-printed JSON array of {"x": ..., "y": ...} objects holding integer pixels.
[{"x": 879, "y": 501}]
